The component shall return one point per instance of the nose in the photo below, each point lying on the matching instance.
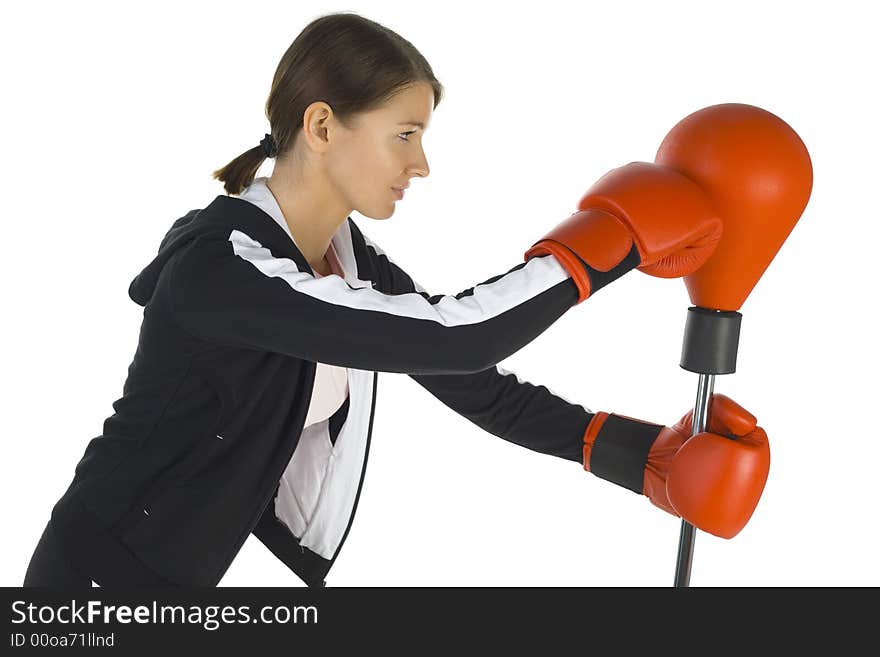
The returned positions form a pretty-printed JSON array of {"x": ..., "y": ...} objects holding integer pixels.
[{"x": 421, "y": 169}]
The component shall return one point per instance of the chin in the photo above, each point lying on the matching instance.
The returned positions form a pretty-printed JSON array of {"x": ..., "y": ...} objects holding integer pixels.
[{"x": 376, "y": 214}]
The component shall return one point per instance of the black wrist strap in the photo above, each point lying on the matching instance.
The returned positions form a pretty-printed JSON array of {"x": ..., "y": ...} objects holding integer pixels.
[{"x": 620, "y": 451}]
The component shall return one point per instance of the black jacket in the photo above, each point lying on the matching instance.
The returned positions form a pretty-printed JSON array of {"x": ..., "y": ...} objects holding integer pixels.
[{"x": 217, "y": 393}]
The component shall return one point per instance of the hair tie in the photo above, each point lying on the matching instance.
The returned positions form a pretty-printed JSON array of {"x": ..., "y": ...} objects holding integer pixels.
[{"x": 268, "y": 144}]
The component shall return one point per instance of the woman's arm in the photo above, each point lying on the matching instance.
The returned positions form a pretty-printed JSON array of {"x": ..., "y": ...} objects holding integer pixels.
[
  {"x": 501, "y": 403},
  {"x": 231, "y": 290}
]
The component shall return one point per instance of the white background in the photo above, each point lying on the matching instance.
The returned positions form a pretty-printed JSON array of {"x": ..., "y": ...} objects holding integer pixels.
[{"x": 115, "y": 116}]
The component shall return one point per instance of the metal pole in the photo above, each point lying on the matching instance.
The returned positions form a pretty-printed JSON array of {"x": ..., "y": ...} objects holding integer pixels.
[{"x": 705, "y": 387}]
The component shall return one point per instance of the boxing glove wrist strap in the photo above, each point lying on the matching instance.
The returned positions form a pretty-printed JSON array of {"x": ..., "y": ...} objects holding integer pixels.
[
  {"x": 616, "y": 449},
  {"x": 594, "y": 246}
]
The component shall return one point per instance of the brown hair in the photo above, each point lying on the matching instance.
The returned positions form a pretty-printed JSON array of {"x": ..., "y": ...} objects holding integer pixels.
[{"x": 350, "y": 62}]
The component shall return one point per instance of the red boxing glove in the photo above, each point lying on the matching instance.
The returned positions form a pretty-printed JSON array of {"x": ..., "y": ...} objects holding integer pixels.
[
  {"x": 641, "y": 215},
  {"x": 713, "y": 480}
]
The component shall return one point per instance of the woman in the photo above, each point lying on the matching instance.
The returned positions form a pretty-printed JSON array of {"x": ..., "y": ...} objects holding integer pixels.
[{"x": 249, "y": 403}]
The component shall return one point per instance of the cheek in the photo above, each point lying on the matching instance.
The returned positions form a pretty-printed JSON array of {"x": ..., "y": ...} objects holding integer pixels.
[
  {"x": 380, "y": 171},
  {"x": 366, "y": 170}
]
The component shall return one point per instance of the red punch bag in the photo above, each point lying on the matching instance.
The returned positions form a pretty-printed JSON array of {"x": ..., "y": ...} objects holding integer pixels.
[{"x": 758, "y": 175}]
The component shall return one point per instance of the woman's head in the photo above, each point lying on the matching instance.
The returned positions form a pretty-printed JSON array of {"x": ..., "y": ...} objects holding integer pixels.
[{"x": 339, "y": 100}]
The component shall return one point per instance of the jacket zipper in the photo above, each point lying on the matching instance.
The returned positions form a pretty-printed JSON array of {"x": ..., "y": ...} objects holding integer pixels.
[{"x": 363, "y": 472}]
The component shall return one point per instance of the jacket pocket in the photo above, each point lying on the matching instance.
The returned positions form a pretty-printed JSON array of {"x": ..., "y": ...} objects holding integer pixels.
[{"x": 188, "y": 440}]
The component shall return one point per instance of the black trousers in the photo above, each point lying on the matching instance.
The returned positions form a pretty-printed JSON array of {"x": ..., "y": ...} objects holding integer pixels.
[{"x": 50, "y": 566}]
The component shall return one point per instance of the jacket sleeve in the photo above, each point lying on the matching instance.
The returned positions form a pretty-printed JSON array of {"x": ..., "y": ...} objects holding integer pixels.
[
  {"x": 501, "y": 403},
  {"x": 496, "y": 400},
  {"x": 228, "y": 289}
]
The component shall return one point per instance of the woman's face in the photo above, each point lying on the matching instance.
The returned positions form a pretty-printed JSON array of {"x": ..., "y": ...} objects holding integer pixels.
[{"x": 382, "y": 150}]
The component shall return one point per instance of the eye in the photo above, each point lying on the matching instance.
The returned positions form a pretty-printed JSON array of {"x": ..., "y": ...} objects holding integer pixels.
[{"x": 406, "y": 133}]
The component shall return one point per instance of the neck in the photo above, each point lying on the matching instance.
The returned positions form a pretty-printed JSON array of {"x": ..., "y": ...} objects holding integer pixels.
[{"x": 311, "y": 212}]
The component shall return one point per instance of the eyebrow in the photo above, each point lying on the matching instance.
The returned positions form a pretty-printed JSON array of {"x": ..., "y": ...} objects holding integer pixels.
[{"x": 421, "y": 125}]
